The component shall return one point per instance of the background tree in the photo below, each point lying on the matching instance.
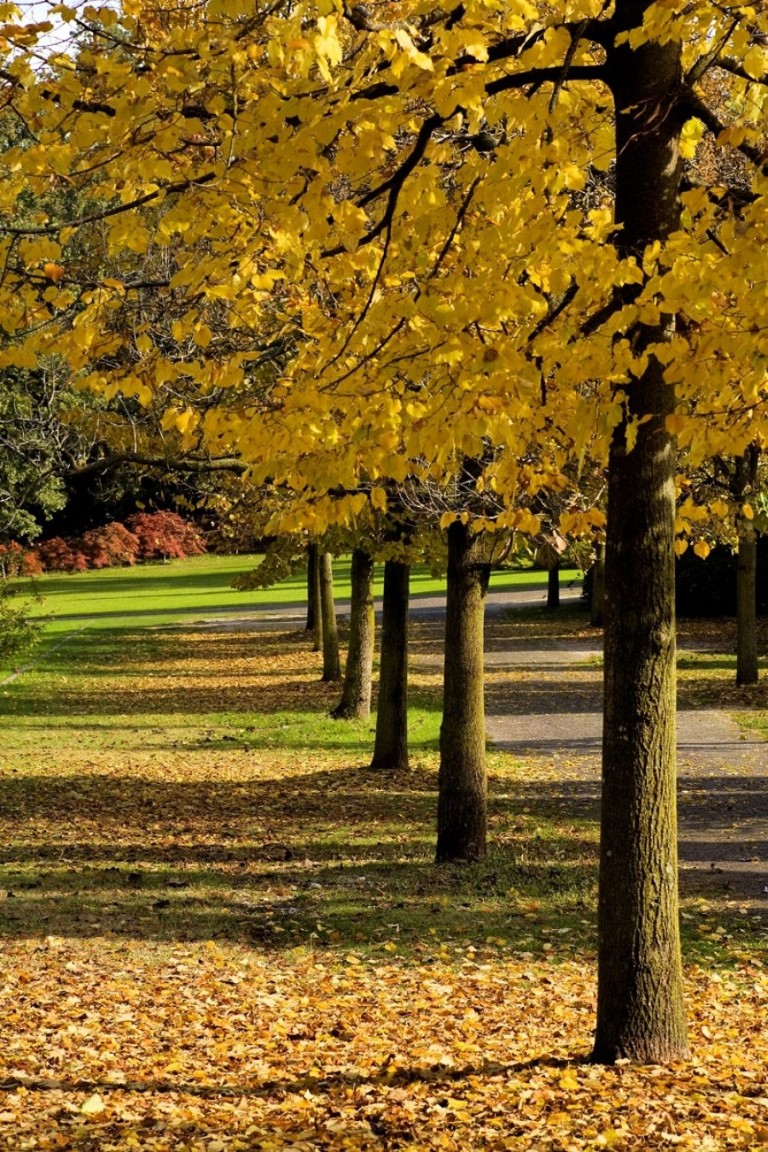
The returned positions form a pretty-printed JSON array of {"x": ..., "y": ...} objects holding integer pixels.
[
  {"x": 355, "y": 702},
  {"x": 390, "y": 749}
]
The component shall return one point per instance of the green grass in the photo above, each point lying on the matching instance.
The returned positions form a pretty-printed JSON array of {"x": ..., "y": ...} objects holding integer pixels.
[
  {"x": 203, "y": 583},
  {"x": 160, "y": 793},
  {"x": 153, "y": 595},
  {"x": 184, "y": 785},
  {"x": 754, "y": 721}
]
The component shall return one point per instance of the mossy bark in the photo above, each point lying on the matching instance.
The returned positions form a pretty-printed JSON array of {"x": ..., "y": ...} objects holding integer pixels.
[
  {"x": 640, "y": 1012},
  {"x": 390, "y": 749},
  {"x": 331, "y": 660},
  {"x": 355, "y": 703},
  {"x": 462, "y": 781}
]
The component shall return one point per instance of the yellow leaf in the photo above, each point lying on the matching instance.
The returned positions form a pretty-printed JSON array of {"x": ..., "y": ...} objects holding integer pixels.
[
  {"x": 702, "y": 549},
  {"x": 680, "y": 547},
  {"x": 53, "y": 272},
  {"x": 675, "y": 424},
  {"x": 754, "y": 63},
  {"x": 185, "y": 421},
  {"x": 93, "y": 1105},
  {"x": 747, "y": 512},
  {"x": 568, "y": 1082}
]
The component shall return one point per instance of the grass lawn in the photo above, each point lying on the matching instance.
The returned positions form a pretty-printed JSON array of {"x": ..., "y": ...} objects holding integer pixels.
[
  {"x": 203, "y": 584},
  {"x": 221, "y": 931}
]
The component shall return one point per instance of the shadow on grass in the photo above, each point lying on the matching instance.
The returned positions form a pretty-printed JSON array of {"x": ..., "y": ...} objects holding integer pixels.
[{"x": 332, "y": 859}]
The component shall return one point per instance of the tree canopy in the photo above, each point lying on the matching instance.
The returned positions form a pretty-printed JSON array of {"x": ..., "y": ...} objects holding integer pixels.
[{"x": 382, "y": 233}]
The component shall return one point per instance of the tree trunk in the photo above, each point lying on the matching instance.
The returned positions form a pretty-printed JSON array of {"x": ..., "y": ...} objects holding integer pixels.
[
  {"x": 311, "y": 586},
  {"x": 640, "y": 1013},
  {"x": 331, "y": 662},
  {"x": 597, "y": 598},
  {"x": 317, "y": 604},
  {"x": 390, "y": 749},
  {"x": 462, "y": 783},
  {"x": 553, "y": 587},
  {"x": 746, "y": 573},
  {"x": 355, "y": 703},
  {"x": 746, "y": 605}
]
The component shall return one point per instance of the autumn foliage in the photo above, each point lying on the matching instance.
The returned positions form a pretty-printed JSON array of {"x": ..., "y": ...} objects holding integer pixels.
[
  {"x": 15, "y": 560},
  {"x": 164, "y": 535},
  {"x": 145, "y": 536}
]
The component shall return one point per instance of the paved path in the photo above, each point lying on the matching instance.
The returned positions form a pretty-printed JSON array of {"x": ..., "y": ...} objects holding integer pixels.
[
  {"x": 422, "y": 607},
  {"x": 552, "y": 717}
]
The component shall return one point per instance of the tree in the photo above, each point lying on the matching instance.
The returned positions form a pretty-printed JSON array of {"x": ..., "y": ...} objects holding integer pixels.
[
  {"x": 355, "y": 703},
  {"x": 315, "y": 588},
  {"x": 462, "y": 784},
  {"x": 597, "y": 592},
  {"x": 744, "y": 479},
  {"x": 331, "y": 661},
  {"x": 640, "y": 1011},
  {"x": 37, "y": 445},
  {"x": 390, "y": 750}
]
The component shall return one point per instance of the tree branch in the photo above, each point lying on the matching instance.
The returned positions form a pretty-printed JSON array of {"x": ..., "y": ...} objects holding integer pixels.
[
  {"x": 696, "y": 107},
  {"x": 93, "y": 217},
  {"x": 194, "y": 464},
  {"x": 539, "y": 76}
]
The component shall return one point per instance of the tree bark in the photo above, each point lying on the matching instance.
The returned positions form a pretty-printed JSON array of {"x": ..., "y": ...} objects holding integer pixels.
[
  {"x": 317, "y": 604},
  {"x": 640, "y": 1012},
  {"x": 746, "y": 573},
  {"x": 355, "y": 703},
  {"x": 331, "y": 661},
  {"x": 746, "y": 605},
  {"x": 390, "y": 750},
  {"x": 597, "y": 597},
  {"x": 311, "y": 586},
  {"x": 462, "y": 781},
  {"x": 553, "y": 587}
]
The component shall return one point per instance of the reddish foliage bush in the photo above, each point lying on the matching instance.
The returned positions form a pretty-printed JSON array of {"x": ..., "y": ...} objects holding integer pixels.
[
  {"x": 59, "y": 555},
  {"x": 164, "y": 535},
  {"x": 110, "y": 547},
  {"x": 15, "y": 560}
]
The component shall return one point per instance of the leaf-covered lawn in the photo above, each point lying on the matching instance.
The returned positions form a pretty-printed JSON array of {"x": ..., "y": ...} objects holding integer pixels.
[{"x": 221, "y": 931}]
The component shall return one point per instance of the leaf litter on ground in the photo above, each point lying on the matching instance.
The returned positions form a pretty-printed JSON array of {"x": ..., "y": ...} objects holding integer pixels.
[{"x": 220, "y": 932}]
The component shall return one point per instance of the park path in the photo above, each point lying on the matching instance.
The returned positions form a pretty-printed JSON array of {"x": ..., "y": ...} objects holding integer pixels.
[
  {"x": 543, "y": 704},
  {"x": 547, "y": 711}
]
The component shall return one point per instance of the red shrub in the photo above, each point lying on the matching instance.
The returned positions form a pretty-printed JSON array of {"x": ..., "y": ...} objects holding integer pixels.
[
  {"x": 164, "y": 535},
  {"x": 59, "y": 555},
  {"x": 15, "y": 560},
  {"x": 110, "y": 547}
]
